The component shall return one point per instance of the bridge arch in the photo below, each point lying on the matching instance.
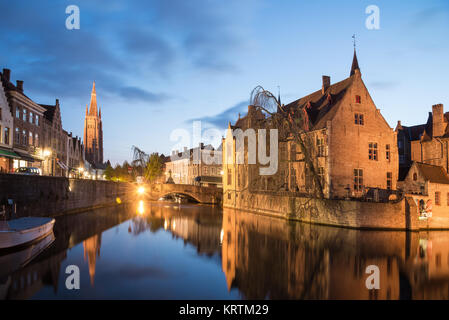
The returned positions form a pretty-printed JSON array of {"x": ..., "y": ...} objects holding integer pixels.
[{"x": 188, "y": 195}]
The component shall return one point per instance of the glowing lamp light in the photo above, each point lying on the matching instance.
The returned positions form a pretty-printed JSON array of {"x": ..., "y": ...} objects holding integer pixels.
[
  {"x": 141, "y": 190},
  {"x": 46, "y": 153},
  {"x": 141, "y": 208},
  {"x": 221, "y": 236}
]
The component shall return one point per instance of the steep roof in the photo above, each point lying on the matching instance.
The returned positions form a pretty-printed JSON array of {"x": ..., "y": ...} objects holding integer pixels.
[
  {"x": 355, "y": 64},
  {"x": 320, "y": 106},
  {"x": 49, "y": 111},
  {"x": 432, "y": 173}
]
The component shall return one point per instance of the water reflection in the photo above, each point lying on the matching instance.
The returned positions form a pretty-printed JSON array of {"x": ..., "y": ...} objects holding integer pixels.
[{"x": 198, "y": 252}]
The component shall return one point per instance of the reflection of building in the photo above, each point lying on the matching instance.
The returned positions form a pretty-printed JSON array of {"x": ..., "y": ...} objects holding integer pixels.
[
  {"x": 199, "y": 166},
  {"x": 91, "y": 251},
  {"x": 93, "y": 132},
  {"x": 268, "y": 258}
]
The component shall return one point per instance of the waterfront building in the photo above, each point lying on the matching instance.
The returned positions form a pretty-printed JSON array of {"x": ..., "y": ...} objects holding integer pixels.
[
  {"x": 7, "y": 154},
  {"x": 75, "y": 155},
  {"x": 93, "y": 132},
  {"x": 54, "y": 142},
  {"x": 187, "y": 170},
  {"x": 27, "y": 124},
  {"x": 353, "y": 147}
]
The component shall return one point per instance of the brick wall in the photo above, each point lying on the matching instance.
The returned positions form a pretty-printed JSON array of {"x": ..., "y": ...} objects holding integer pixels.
[{"x": 51, "y": 196}]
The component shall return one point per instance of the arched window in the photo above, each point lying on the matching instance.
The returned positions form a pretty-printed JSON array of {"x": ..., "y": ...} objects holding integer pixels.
[{"x": 415, "y": 177}]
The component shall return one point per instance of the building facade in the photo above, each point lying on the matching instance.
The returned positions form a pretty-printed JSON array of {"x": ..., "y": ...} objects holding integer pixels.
[
  {"x": 27, "y": 123},
  {"x": 353, "y": 149},
  {"x": 196, "y": 166},
  {"x": 7, "y": 154},
  {"x": 75, "y": 156},
  {"x": 93, "y": 132}
]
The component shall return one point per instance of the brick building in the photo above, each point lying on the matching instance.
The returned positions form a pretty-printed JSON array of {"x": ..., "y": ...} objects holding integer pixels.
[
  {"x": 27, "y": 123},
  {"x": 354, "y": 148},
  {"x": 75, "y": 155},
  {"x": 93, "y": 132},
  {"x": 7, "y": 154}
]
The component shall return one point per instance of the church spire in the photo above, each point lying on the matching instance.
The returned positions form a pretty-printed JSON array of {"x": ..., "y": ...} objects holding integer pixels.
[
  {"x": 93, "y": 102},
  {"x": 87, "y": 110},
  {"x": 355, "y": 62}
]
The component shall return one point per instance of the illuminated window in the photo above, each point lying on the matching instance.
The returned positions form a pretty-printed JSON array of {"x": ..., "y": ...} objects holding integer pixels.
[
  {"x": 320, "y": 147},
  {"x": 30, "y": 139},
  {"x": 17, "y": 113},
  {"x": 24, "y": 115},
  {"x": 229, "y": 176},
  {"x": 31, "y": 117},
  {"x": 6, "y": 136},
  {"x": 37, "y": 120},
  {"x": 415, "y": 177},
  {"x": 17, "y": 136},
  {"x": 36, "y": 140}
]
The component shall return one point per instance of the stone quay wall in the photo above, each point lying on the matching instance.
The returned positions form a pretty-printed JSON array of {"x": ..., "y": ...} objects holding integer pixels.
[
  {"x": 402, "y": 215},
  {"x": 52, "y": 196}
]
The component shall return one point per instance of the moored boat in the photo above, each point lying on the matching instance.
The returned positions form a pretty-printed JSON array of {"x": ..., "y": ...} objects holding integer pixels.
[{"x": 17, "y": 232}]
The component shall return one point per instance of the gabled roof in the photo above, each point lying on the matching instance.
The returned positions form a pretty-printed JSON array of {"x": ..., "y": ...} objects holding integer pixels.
[
  {"x": 322, "y": 106},
  {"x": 435, "y": 174},
  {"x": 49, "y": 111}
]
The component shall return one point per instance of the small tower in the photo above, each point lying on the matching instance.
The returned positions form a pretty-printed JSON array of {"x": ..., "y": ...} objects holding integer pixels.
[{"x": 93, "y": 131}]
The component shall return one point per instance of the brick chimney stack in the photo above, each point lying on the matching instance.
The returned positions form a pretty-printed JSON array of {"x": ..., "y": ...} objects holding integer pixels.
[
  {"x": 19, "y": 85},
  {"x": 7, "y": 74},
  {"x": 438, "y": 124},
  {"x": 326, "y": 83}
]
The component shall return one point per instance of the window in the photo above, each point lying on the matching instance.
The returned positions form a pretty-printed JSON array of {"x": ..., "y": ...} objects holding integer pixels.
[
  {"x": 387, "y": 152},
  {"x": 31, "y": 117},
  {"x": 358, "y": 99},
  {"x": 448, "y": 199},
  {"x": 358, "y": 119},
  {"x": 24, "y": 115},
  {"x": 37, "y": 120},
  {"x": 30, "y": 140},
  {"x": 358, "y": 179},
  {"x": 415, "y": 176},
  {"x": 372, "y": 151},
  {"x": 321, "y": 175},
  {"x": 6, "y": 136},
  {"x": 205, "y": 170},
  {"x": 0, "y": 113},
  {"x": 389, "y": 180},
  {"x": 229, "y": 177},
  {"x": 320, "y": 147},
  {"x": 24, "y": 137},
  {"x": 17, "y": 137},
  {"x": 437, "y": 198},
  {"x": 17, "y": 113}
]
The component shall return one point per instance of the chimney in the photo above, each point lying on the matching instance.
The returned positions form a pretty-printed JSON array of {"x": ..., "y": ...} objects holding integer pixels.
[
  {"x": 57, "y": 102},
  {"x": 438, "y": 123},
  {"x": 20, "y": 85},
  {"x": 7, "y": 74},
  {"x": 326, "y": 83}
]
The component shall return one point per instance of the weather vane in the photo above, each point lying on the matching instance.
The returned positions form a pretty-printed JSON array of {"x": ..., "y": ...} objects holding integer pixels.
[{"x": 353, "y": 37}]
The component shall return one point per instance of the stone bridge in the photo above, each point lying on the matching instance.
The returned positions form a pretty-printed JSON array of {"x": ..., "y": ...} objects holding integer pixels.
[{"x": 209, "y": 195}]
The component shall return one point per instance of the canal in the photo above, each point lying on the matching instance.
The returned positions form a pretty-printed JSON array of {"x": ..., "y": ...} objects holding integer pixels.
[{"x": 157, "y": 250}]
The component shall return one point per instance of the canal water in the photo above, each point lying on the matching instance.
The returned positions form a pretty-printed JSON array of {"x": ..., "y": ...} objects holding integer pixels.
[{"x": 156, "y": 250}]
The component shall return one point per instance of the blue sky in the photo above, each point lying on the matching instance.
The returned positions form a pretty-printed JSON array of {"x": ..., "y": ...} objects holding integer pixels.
[{"x": 160, "y": 64}]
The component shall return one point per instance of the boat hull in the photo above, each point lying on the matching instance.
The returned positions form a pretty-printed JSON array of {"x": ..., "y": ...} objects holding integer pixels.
[{"x": 17, "y": 237}]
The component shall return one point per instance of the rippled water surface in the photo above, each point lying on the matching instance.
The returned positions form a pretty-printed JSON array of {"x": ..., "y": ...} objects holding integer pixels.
[{"x": 170, "y": 251}]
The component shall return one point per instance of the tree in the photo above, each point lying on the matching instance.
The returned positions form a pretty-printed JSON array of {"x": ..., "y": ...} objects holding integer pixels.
[
  {"x": 153, "y": 169},
  {"x": 109, "y": 172},
  {"x": 293, "y": 124}
]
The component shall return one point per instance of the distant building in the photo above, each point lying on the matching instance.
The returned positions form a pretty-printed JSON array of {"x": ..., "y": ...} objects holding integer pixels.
[
  {"x": 93, "y": 132},
  {"x": 75, "y": 155},
  {"x": 188, "y": 170}
]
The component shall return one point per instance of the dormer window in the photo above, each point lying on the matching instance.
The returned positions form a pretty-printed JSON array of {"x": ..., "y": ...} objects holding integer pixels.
[{"x": 358, "y": 99}]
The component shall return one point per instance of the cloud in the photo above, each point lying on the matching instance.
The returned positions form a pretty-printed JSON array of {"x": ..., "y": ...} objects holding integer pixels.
[
  {"x": 221, "y": 120},
  {"x": 134, "y": 93}
]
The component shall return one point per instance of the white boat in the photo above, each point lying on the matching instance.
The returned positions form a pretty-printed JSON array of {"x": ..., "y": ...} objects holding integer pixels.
[{"x": 21, "y": 231}]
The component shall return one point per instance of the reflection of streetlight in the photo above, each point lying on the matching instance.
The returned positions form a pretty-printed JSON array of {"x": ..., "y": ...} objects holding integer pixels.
[
  {"x": 221, "y": 172},
  {"x": 141, "y": 208}
]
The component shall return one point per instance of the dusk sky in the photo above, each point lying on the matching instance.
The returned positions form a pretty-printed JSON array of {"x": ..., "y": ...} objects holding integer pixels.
[{"x": 160, "y": 64}]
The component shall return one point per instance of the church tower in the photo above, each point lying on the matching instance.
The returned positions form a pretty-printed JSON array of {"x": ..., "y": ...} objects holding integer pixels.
[{"x": 93, "y": 132}]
